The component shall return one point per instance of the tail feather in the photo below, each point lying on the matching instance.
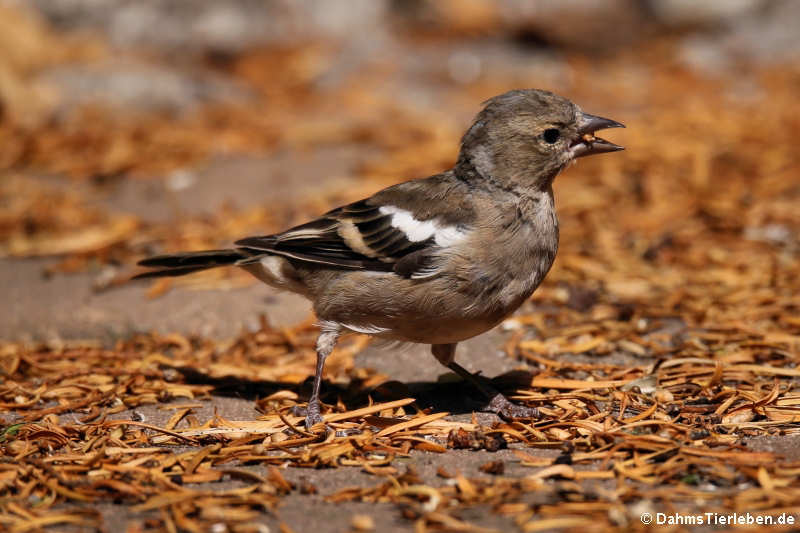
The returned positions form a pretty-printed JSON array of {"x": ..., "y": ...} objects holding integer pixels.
[{"x": 186, "y": 263}]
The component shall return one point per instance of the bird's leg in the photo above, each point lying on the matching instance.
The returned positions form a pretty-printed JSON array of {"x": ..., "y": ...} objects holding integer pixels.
[
  {"x": 325, "y": 343},
  {"x": 498, "y": 403}
]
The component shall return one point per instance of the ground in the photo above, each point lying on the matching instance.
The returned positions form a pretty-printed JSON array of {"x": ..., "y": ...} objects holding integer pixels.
[{"x": 662, "y": 349}]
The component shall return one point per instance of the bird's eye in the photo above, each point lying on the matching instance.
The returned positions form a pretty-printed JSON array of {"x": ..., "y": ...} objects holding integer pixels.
[{"x": 551, "y": 135}]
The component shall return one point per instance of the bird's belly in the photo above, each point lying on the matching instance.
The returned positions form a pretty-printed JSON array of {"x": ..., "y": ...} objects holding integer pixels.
[
  {"x": 446, "y": 313},
  {"x": 444, "y": 330}
]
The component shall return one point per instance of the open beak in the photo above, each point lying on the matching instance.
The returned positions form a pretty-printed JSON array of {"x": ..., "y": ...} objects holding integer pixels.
[{"x": 587, "y": 143}]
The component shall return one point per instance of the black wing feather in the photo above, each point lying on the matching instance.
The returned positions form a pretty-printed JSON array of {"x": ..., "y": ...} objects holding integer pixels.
[
  {"x": 204, "y": 259},
  {"x": 324, "y": 241}
]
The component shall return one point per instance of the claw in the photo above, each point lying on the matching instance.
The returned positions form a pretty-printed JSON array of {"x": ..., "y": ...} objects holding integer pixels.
[
  {"x": 313, "y": 417},
  {"x": 297, "y": 410},
  {"x": 500, "y": 405}
]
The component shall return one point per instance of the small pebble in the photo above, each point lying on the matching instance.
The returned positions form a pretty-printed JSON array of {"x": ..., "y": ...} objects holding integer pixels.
[{"x": 362, "y": 522}]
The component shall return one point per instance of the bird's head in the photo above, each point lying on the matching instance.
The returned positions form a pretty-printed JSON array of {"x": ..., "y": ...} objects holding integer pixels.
[{"x": 524, "y": 138}]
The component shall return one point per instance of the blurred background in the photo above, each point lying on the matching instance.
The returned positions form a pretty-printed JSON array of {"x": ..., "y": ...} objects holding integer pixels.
[{"x": 132, "y": 127}]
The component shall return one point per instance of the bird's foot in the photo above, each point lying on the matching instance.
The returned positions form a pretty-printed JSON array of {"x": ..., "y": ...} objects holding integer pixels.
[
  {"x": 501, "y": 406},
  {"x": 312, "y": 419},
  {"x": 311, "y": 414},
  {"x": 298, "y": 410}
]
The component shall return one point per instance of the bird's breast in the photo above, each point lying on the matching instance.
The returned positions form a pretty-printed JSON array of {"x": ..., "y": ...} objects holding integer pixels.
[{"x": 511, "y": 263}]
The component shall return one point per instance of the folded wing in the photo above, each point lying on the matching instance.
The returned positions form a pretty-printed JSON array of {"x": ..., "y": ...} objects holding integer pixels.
[{"x": 362, "y": 236}]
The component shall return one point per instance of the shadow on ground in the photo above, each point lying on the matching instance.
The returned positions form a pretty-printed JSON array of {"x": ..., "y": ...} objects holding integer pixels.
[{"x": 449, "y": 394}]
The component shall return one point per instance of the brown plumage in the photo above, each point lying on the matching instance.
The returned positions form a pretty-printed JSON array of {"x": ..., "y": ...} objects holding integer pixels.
[{"x": 435, "y": 260}]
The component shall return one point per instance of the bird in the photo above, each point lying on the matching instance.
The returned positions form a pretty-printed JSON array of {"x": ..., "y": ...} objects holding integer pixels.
[{"x": 434, "y": 260}]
